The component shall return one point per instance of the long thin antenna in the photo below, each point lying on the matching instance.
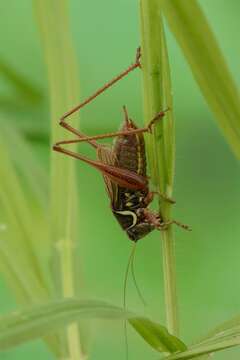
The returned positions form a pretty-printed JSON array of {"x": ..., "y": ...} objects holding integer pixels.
[
  {"x": 135, "y": 281},
  {"x": 131, "y": 256}
]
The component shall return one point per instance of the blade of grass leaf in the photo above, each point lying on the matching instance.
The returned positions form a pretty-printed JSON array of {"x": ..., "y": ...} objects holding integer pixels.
[
  {"x": 31, "y": 171},
  {"x": 198, "y": 43},
  {"x": 23, "y": 257},
  {"x": 39, "y": 321},
  {"x": 24, "y": 89},
  {"x": 209, "y": 348},
  {"x": 20, "y": 219},
  {"x": 157, "y": 97},
  {"x": 10, "y": 270},
  {"x": 63, "y": 78},
  {"x": 228, "y": 325},
  {"x": 157, "y": 336},
  {"x": 32, "y": 131}
]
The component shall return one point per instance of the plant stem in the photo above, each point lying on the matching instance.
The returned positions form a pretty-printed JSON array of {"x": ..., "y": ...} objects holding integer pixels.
[
  {"x": 161, "y": 148},
  {"x": 170, "y": 287},
  {"x": 64, "y": 94}
]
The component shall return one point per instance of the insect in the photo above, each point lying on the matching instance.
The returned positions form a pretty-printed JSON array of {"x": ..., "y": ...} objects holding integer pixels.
[{"x": 123, "y": 166}]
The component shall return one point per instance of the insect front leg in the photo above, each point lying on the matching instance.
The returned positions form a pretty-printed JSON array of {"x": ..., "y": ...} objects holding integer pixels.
[{"x": 155, "y": 220}]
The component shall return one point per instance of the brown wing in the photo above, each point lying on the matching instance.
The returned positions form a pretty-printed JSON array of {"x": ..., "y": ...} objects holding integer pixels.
[{"x": 106, "y": 155}]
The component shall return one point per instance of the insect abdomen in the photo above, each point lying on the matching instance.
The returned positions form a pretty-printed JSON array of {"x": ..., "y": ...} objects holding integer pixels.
[{"x": 130, "y": 151}]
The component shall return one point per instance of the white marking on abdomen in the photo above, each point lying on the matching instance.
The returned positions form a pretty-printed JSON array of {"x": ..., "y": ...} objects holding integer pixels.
[{"x": 128, "y": 213}]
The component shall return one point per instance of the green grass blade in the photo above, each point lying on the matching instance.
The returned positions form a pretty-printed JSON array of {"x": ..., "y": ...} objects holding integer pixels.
[
  {"x": 31, "y": 171},
  {"x": 225, "y": 341},
  {"x": 32, "y": 131},
  {"x": 45, "y": 319},
  {"x": 48, "y": 318},
  {"x": 198, "y": 43},
  {"x": 161, "y": 146},
  {"x": 24, "y": 89},
  {"x": 157, "y": 336},
  {"x": 226, "y": 327},
  {"x": 22, "y": 229},
  {"x": 24, "y": 232},
  {"x": 63, "y": 84},
  {"x": 229, "y": 324}
]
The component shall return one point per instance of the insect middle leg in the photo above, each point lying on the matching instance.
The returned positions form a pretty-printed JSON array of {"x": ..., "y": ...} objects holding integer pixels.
[{"x": 83, "y": 138}]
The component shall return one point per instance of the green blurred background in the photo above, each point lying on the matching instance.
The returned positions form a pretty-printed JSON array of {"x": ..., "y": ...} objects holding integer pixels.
[{"x": 105, "y": 36}]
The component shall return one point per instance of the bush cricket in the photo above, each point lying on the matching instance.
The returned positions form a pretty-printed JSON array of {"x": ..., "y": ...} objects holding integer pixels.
[{"x": 123, "y": 167}]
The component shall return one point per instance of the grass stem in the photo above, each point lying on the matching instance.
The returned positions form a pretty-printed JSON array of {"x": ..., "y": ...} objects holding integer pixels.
[
  {"x": 64, "y": 94},
  {"x": 161, "y": 146}
]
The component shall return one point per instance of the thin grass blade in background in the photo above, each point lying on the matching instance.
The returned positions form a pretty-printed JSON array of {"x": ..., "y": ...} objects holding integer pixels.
[
  {"x": 22, "y": 230},
  {"x": 63, "y": 79},
  {"x": 39, "y": 321},
  {"x": 23, "y": 235},
  {"x": 157, "y": 97},
  {"x": 199, "y": 45},
  {"x": 24, "y": 90},
  {"x": 223, "y": 342},
  {"x": 226, "y": 327},
  {"x": 31, "y": 171}
]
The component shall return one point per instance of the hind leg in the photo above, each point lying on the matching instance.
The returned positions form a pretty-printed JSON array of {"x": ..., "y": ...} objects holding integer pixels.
[{"x": 102, "y": 89}]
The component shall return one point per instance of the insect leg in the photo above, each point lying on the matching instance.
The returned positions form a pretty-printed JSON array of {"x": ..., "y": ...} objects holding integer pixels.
[
  {"x": 148, "y": 128},
  {"x": 120, "y": 176},
  {"x": 101, "y": 136},
  {"x": 89, "y": 139},
  {"x": 149, "y": 198},
  {"x": 103, "y": 88},
  {"x": 157, "y": 117},
  {"x": 157, "y": 222},
  {"x": 164, "y": 225},
  {"x": 184, "y": 226},
  {"x": 82, "y": 138}
]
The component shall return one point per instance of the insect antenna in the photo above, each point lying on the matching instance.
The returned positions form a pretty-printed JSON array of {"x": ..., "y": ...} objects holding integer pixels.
[
  {"x": 130, "y": 265},
  {"x": 140, "y": 295},
  {"x": 131, "y": 256}
]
